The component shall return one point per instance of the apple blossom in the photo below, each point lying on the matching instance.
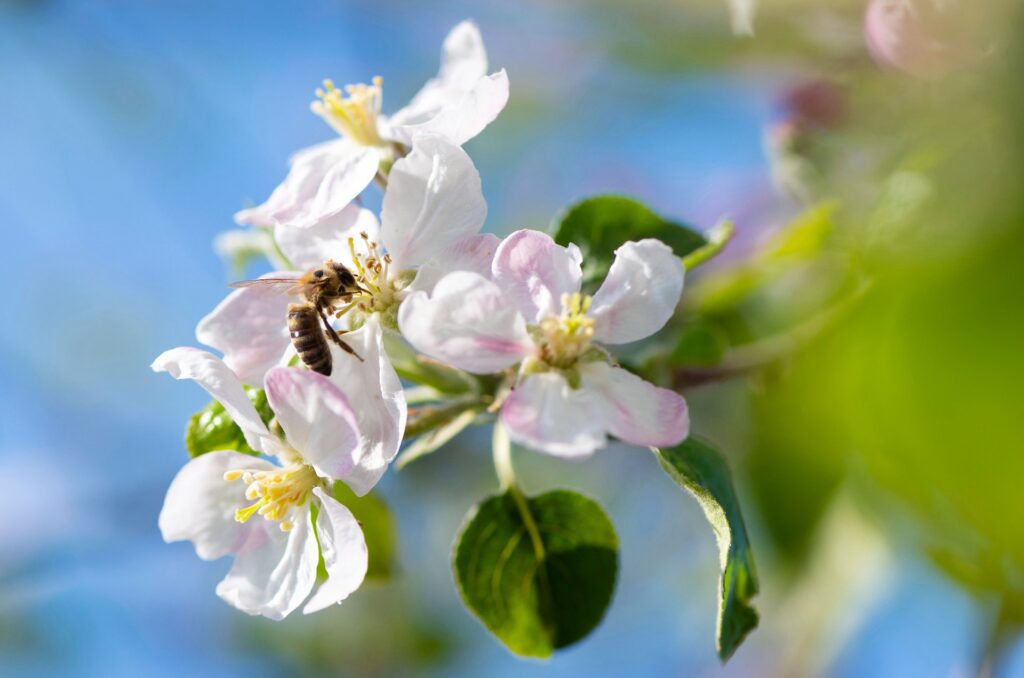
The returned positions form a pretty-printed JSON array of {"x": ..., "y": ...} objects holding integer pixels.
[
  {"x": 457, "y": 105},
  {"x": 431, "y": 215},
  {"x": 529, "y": 310},
  {"x": 266, "y": 520}
]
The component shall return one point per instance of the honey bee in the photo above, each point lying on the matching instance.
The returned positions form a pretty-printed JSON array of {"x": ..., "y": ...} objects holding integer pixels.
[{"x": 322, "y": 288}]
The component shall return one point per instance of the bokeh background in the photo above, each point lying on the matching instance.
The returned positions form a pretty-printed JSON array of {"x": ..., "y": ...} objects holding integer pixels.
[{"x": 879, "y": 456}]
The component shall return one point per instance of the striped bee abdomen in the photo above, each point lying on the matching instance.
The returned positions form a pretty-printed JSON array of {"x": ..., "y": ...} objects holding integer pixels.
[{"x": 308, "y": 337}]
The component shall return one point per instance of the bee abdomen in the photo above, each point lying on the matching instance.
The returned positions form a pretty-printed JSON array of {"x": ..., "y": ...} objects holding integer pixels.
[{"x": 308, "y": 338}]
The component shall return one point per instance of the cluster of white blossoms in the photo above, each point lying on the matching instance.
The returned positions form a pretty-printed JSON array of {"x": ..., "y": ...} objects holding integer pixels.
[{"x": 511, "y": 307}]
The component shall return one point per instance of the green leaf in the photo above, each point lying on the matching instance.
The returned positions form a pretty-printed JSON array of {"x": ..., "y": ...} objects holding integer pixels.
[
  {"x": 701, "y": 344},
  {"x": 378, "y": 526},
  {"x": 702, "y": 470},
  {"x": 538, "y": 572},
  {"x": 599, "y": 225},
  {"x": 211, "y": 428}
]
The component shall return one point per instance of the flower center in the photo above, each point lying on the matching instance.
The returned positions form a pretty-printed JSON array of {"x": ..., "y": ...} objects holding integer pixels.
[
  {"x": 353, "y": 116},
  {"x": 383, "y": 287},
  {"x": 276, "y": 492},
  {"x": 564, "y": 338}
]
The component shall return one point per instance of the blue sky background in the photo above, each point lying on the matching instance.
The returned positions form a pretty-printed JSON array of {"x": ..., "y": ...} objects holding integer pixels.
[{"x": 129, "y": 133}]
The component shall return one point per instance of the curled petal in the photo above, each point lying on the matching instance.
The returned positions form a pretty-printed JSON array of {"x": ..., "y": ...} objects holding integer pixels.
[
  {"x": 474, "y": 253},
  {"x": 634, "y": 410},
  {"x": 462, "y": 99},
  {"x": 250, "y": 328},
  {"x": 220, "y": 382},
  {"x": 317, "y": 419},
  {"x": 535, "y": 272},
  {"x": 545, "y": 413},
  {"x": 433, "y": 200},
  {"x": 463, "y": 57},
  {"x": 380, "y": 407},
  {"x": 466, "y": 322},
  {"x": 327, "y": 238},
  {"x": 640, "y": 293},
  {"x": 345, "y": 556},
  {"x": 200, "y": 505},
  {"x": 453, "y": 114},
  {"x": 274, "y": 571},
  {"x": 322, "y": 181}
]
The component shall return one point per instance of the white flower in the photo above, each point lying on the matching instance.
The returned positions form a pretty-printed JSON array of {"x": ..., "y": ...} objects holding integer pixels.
[
  {"x": 431, "y": 215},
  {"x": 325, "y": 178},
  {"x": 227, "y": 503},
  {"x": 529, "y": 310}
]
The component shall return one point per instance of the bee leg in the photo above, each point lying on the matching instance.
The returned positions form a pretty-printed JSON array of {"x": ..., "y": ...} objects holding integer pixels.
[{"x": 334, "y": 335}]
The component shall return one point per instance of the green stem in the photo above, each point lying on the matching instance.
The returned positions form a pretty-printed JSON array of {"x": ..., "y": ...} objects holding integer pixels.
[
  {"x": 718, "y": 237},
  {"x": 507, "y": 478},
  {"x": 502, "y": 448}
]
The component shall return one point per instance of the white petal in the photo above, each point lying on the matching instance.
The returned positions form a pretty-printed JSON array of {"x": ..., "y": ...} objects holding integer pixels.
[
  {"x": 327, "y": 238},
  {"x": 316, "y": 418},
  {"x": 743, "y": 12},
  {"x": 634, "y": 410},
  {"x": 219, "y": 381},
  {"x": 374, "y": 388},
  {"x": 462, "y": 99},
  {"x": 200, "y": 505},
  {"x": 463, "y": 57},
  {"x": 467, "y": 322},
  {"x": 640, "y": 293},
  {"x": 545, "y": 413},
  {"x": 274, "y": 571},
  {"x": 456, "y": 115},
  {"x": 344, "y": 550},
  {"x": 536, "y": 272},
  {"x": 250, "y": 327},
  {"x": 474, "y": 253},
  {"x": 323, "y": 180},
  {"x": 433, "y": 200}
]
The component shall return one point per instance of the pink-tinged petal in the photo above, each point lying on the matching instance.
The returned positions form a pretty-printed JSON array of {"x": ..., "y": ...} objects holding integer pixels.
[
  {"x": 327, "y": 238},
  {"x": 379, "y": 401},
  {"x": 345, "y": 556},
  {"x": 466, "y": 322},
  {"x": 433, "y": 200},
  {"x": 640, "y": 293},
  {"x": 250, "y": 327},
  {"x": 274, "y": 571},
  {"x": 915, "y": 37},
  {"x": 220, "y": 382},
  {"x": 474, "y": 254},
  {"x": 546, "y": 414},
  {"x": 323, "y": 180},
  {"x": 317, "y": 419},
  {"x": 634, "y": 410},
  {"x": 456, "y": 115},
  {"x": 535, "y": 272},
  {"x": 200, "y": 505}
]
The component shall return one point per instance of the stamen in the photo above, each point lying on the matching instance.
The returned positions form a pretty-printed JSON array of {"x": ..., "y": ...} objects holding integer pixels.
[
  {"x": 354, "y": 115},
  {"x": 275, "y": 493},
  {"x": 566, "y": 337}
]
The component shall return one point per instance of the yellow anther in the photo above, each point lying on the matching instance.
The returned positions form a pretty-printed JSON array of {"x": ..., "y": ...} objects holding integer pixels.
[
  {"x": 275, "y": 493},
  {"x": 354, "y": 115},
  {"x": 287, "y": 526},
  {"x": 566, "y": 337}
]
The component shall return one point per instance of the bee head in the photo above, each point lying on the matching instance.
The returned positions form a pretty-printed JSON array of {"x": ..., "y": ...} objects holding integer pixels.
[{"x": 334, "y": 279}]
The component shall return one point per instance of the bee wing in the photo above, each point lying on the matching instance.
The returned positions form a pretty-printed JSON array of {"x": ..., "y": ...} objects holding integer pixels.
[{"x": 279, "y": 285}]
